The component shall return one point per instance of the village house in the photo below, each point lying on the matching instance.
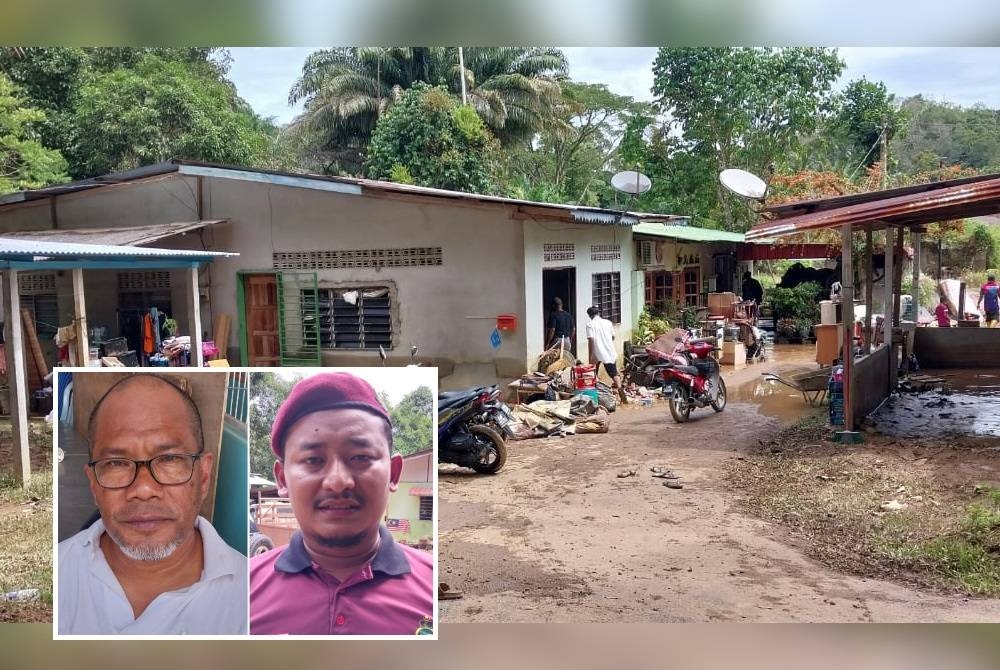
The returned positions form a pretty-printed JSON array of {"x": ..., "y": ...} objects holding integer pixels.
[{"x": 330, "y": 269}]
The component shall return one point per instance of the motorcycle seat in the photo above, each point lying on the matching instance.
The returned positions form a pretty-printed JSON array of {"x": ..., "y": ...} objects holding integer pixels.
[
  {"x": 452, "y": 398},
  {"x": 687, "y": 369}
]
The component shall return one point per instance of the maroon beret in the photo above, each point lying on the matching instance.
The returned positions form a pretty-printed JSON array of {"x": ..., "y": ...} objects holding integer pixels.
[{"x": 329, "y": 390}]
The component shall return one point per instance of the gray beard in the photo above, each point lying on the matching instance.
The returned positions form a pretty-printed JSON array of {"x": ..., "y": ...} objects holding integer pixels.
[{"x": 142, "y": 552}]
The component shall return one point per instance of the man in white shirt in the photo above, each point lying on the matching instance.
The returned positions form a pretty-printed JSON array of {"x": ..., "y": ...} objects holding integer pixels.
[
  {"x": 601, "y": 341},
  {"x": 151, "y": 565}
]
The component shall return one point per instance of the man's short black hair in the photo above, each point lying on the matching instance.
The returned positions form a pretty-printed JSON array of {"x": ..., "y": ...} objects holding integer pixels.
[
  {"x": 194, "y": 415},
  {"x": 556, "y": 303},
  {"x": 991, "y": 277},
  {"x": 593, "y": 311}
]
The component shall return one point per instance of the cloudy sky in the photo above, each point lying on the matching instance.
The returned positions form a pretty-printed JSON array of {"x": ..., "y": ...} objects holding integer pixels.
[{"x": 964, "y": 76}]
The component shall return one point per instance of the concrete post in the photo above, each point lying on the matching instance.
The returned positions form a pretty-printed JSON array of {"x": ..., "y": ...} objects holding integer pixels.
[{"x": 17, "y": 379}]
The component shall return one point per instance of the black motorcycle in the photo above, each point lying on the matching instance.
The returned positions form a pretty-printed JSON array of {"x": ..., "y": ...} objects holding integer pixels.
[{"x": 473, "y": 425}]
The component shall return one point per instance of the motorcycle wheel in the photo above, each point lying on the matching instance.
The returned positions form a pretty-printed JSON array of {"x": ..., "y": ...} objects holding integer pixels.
[
  {"x": 497, "y": 453},
  {"x": 720, "y": 400},
  {"x": 680, "y": 409}
]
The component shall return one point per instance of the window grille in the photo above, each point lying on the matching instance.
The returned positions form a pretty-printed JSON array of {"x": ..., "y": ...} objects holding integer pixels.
[
  {"x": 607, "y": 295},
  {"x": 358, "y": 258},
  {"x": 559, "y": 251},
  {"x": 605, "y": 252}
]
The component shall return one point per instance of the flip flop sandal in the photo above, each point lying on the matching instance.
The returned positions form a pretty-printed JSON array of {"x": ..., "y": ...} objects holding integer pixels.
[
  {"x": 626, "y": 473},
  {"x": 446, "y": 593},
  {"x": 673, "y": 484},
  {"x": 658, "y": 468},
  {"x": 666, "y": 474}
]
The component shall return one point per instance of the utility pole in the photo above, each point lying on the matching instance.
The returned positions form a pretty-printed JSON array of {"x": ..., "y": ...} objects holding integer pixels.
[
  {"x": 461, "y": 73},
  {"x": 884, "y": 152}
]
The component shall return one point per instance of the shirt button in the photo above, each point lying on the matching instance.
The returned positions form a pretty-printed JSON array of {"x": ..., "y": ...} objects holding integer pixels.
[{"x": 340, "y": 619}]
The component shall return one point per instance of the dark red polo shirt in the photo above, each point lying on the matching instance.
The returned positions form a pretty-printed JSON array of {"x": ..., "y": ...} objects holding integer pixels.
[{"x": 291, "y": 595}]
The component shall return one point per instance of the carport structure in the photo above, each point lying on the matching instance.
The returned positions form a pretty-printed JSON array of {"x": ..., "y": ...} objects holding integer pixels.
[
  {"x": 870, "y": 379},
  {"x": 20, "y": 254}
]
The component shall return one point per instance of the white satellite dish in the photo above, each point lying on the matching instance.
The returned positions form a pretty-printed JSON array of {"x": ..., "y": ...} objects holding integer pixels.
[
  {"x": 631, "y": 182},
  {"x": 744, "y": 184}
]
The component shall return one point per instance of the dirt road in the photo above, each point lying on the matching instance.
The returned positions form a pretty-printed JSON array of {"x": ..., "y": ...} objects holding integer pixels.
[{"x": 557, "y": 536}]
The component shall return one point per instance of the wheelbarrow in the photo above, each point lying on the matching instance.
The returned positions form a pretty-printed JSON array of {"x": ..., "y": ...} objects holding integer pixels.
[{"x": 812, "y": 385}]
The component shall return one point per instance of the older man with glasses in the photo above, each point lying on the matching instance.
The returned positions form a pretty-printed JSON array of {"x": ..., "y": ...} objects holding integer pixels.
[{"x": 151, "y": 565}]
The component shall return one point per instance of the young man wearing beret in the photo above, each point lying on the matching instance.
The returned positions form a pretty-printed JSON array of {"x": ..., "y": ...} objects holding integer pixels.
[{"x": 341, "y": 573}]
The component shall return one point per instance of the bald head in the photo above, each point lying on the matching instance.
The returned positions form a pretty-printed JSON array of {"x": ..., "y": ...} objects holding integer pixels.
[{"x": 148, "y": 382}]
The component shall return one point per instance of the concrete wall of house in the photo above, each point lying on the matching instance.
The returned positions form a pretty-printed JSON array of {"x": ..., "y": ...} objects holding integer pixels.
[
  {"x": 448, "y": 311},
  {"x": 166, "y": 199},
  {"x": 402, "y": 505},
  {"x": 536, "y": 236}
]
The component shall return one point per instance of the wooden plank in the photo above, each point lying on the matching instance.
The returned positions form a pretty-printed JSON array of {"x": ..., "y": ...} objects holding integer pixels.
[
  {"x": 17, "y": 383},
  {"x": 220, "y": 335},
  {"x": 194, "y": 318},
  {"x": 31, "y": 341},
  {"x": 80, "y": 317}
]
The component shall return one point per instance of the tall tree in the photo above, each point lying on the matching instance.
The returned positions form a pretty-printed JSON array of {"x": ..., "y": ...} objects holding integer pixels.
[
  {"x": 570, "y": 158},
  {"x": 101, "y": 114},
  {"x": 743, "y": 107},
  {"x": 24, "y": 162},
  {"x": 412, "y": 421},
  {"x": 346, "y": 90},
  {"x": 157, "y": 110},
  {"x": 862, "y": 113},
  {"x": 427, "y": 139}
]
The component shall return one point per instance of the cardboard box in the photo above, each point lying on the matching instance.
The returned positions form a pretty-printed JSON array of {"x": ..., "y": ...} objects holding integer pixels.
[{"x": 735, "y": 354}]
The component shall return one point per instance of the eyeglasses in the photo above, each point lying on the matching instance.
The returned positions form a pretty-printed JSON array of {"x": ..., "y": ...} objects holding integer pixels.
[{"x": 166, "y": 469}]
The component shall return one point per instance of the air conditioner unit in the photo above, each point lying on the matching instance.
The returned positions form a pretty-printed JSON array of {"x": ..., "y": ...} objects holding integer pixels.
[{"x": 645, "y": 253}]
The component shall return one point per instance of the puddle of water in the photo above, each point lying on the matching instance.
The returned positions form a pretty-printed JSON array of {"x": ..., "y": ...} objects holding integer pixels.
[
  {"x": 969, "y": 405},
  {"x": 773, "y": 398},
  {"x": 936, "y": 414}
]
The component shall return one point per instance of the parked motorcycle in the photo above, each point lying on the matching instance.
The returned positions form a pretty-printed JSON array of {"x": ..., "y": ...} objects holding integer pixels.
[
  {"x": 694, "y": 385},
  {"x": 473, "y": 425}
]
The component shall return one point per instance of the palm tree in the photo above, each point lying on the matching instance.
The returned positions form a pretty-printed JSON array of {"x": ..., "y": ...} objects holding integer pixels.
[{"x": 347, "y": 89}]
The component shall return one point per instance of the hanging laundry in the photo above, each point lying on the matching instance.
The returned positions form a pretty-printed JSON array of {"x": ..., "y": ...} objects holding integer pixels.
[{"x": 148, "y": 345}]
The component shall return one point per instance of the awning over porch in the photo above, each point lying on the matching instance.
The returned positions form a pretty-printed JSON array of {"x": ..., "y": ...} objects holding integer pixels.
[
  {"x": 132, "y": 235},
  {"x": 32, "y": 254}
]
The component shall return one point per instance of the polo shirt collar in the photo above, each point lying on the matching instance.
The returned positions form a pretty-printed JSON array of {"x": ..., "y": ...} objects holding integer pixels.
[{"x": 389, "y": 559}]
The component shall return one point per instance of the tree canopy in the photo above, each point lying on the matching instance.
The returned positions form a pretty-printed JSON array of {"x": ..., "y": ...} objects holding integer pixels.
[
  {"x": 25, "y": 163},
  {"x": 429, "y": 140}
]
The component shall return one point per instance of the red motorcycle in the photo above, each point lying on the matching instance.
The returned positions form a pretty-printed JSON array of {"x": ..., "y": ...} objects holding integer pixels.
[{"x": 692, "y": 378}]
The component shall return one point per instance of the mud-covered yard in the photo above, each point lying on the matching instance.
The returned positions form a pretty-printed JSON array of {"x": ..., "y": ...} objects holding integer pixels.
[
  {"x": 924, "y": 511},
  {"x": 559, "y": 536},
  {"x": 26, "y": 527}
]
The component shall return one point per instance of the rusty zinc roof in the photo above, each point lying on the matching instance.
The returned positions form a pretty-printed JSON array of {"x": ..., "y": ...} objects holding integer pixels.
[{"x": 908, "y": 206}]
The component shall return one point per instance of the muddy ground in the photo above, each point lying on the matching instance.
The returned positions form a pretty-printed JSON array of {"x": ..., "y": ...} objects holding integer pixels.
[
  {"x": 26, "y": 526},
  {"x": 558, "y": 536}
]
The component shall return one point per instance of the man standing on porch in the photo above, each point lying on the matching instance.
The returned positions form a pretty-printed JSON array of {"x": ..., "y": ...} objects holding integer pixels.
[{"x": 560, "y": 327}]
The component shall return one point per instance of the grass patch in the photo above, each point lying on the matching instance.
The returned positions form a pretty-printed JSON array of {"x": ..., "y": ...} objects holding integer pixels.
[
  {"x": 26, "y": 529},
  {"x": 832, "y": 498}
]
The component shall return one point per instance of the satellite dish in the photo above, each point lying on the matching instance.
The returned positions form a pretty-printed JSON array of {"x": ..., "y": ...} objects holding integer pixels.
[
  {"x": 744, "y": 184},
  {"x": 631, "y": 182}
]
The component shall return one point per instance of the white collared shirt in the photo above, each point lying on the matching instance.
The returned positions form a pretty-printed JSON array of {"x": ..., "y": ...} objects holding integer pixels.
[{"x": 92, "y": 602}]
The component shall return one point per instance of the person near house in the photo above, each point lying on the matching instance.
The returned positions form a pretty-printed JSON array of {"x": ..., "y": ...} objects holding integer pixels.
[
  {"x": 752, "y": 290},
  {"x": 989, "y": 300},
  {"x": 150, "y": 565},
  {"x": 601, "y": 342},
  {"x": 942, "y": 314},
  {"x": 560, "y": 327},
  {"x": 342, "y": 573}
]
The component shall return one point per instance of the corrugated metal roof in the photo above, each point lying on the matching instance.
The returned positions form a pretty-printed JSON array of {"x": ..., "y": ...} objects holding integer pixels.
[
  {"x": 578, "y": 213},
  {"x": 820, "y": 204},
  {"x": 15, "y": 249},
  {"x": 133, "y": 235},
  {"x": 958, "y": 199},
  {"x": 688, "y": 233}
]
